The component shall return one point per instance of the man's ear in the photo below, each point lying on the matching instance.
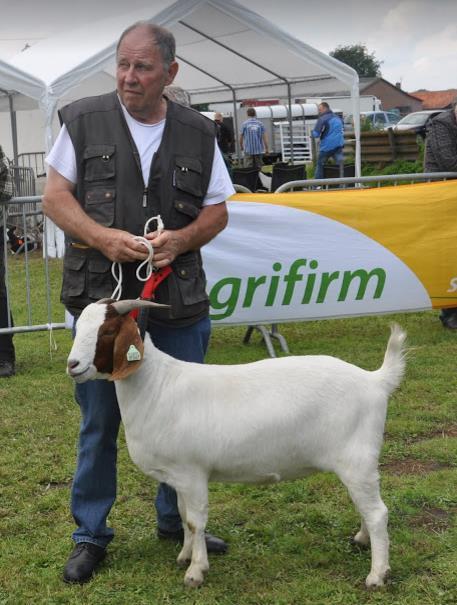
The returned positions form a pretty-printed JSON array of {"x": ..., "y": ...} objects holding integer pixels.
[
  {"x": 171, "y": 73},
  {"x": 127, "y": 351}
]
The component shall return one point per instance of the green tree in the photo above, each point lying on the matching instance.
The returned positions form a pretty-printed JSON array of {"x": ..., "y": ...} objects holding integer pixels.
[{"x": 358, "y": 57}]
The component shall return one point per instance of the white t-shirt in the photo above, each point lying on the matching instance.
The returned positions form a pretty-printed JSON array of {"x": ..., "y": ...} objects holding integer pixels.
[{"x": 147, "y": 139}]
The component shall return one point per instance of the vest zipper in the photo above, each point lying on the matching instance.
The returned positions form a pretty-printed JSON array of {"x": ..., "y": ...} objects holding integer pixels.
[{"x": 145, "y": 197}]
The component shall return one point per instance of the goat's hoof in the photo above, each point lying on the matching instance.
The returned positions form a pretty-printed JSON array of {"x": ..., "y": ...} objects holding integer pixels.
[
  {"x": 376, "y": 580},
  {"x": 193, "y": 578},
  {"x": 183, "y": 561},
  {"x": 359, "y": 542}
]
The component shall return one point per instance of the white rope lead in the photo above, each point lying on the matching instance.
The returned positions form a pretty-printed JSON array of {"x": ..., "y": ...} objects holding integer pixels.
[{"x": 116, "y": 268}]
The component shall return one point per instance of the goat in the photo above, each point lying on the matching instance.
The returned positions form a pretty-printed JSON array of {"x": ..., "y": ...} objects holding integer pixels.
[{"x": 267, "y": 421}]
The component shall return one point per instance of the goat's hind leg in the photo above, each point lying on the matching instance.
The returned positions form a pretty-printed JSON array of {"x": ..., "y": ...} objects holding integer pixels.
[
  {"x": 195, "y": 499},
  {"x": 364, "y": 491}
]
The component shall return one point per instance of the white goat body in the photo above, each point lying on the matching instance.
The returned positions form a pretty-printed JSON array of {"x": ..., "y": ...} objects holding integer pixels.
[{"x": 267, "y": 421}]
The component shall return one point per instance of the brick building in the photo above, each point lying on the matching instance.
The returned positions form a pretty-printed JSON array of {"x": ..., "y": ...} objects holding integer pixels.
[{"x": 390, "y": 95}]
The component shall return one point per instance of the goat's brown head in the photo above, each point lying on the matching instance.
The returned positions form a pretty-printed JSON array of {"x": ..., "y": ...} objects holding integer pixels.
[{"x": 107, "y": 342}]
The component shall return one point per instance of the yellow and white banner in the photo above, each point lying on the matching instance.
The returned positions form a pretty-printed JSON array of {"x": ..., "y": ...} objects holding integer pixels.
[{"x": 309, "y": 255}]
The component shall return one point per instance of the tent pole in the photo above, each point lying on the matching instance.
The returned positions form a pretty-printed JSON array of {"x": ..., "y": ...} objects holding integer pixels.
[
  {"x": 235, "y": 127},
  {"x": 356, "y": 117},
  {"x": 289, "y": 95},
  {"x": 13, "y": 123},
  {"x": 235, "y": 117},
  {"x": 13, "y": 127},
  {"x": 238, "y": 54}
]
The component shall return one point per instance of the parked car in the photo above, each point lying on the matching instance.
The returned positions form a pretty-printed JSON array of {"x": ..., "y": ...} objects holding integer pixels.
[
  {"x": 377, "y": 119},
  {"x": 417, "y": 121}
]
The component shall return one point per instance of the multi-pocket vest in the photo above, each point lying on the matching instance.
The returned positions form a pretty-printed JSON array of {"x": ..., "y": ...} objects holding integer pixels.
[{"x": 111, "y": 191}]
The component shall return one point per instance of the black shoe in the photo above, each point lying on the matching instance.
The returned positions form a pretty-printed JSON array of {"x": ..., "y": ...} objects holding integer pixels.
[
  {"x": 213, "y": 544},
  {"x": 6, "y": 368},
  {"x": 82, "y": 562},
  {"x": 448, "y": 318},
  {"x": 449, "y": 322}
]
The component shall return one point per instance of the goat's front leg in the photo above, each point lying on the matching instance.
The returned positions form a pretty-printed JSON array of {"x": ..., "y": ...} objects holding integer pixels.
[
  {"x": 186, "y": 551},
  {"x": 195, "y": 499}
]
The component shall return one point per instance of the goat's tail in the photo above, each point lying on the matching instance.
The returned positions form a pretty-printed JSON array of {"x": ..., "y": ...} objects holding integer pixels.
[{"x": 392, "y": 370}]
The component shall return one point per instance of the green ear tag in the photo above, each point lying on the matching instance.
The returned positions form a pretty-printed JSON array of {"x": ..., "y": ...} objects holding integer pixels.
[{"x": 133, "y": 354}]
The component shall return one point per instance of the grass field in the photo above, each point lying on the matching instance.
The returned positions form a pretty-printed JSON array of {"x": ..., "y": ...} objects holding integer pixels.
[{"x": 289, "y": 544}]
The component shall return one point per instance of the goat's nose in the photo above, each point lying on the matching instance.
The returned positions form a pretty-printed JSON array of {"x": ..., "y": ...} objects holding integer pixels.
[{"x": 72, "y": 364}]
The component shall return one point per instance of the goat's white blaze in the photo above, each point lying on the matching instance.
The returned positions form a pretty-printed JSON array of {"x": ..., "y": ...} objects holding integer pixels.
[{"x": 81, "y": 358}]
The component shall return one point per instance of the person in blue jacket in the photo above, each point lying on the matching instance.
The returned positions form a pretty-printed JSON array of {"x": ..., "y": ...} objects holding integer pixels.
[{"x": 329, "y": 129}]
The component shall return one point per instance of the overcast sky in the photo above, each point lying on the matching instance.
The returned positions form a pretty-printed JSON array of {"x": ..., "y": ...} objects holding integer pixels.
[{"x": 415, "y": 39}]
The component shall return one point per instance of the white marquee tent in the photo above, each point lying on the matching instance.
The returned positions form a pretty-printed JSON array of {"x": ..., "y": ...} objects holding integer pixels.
[{"x": 226, "y": 53}]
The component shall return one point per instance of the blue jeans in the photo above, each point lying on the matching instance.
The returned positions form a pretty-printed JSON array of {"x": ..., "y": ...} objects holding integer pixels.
[
  {"x": 94, "y": 484},
  {"x": 336, "y": 154}
]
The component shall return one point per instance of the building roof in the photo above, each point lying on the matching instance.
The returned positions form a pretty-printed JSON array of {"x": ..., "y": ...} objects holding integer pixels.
[
  {"x": 436, "y": 99},
  {"x": 365, "y": 82}
]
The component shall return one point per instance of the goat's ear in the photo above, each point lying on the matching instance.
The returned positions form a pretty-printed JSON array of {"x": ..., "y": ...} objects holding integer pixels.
[{"x": 128, "y": 350}]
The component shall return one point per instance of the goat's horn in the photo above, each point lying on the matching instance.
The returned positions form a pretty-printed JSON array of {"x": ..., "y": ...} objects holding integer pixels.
[{"x": 125, "y": 306}]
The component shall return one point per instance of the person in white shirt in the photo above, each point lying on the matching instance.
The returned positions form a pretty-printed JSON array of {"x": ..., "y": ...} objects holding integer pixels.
[{"x": 118, "y": 158}]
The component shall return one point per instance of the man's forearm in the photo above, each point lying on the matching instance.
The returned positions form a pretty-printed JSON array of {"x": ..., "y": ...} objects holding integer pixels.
[
  {"x": 67, "y": 214},
  {"x": 211, "y": 221}
]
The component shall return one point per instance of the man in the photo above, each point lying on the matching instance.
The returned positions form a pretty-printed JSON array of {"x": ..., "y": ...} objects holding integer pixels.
[
  {"x": 120, "y": 159},
  {"x": 7, "y": 352},
  {"x": 329, "y": 129},
  {"x": 441, "y": 156},
  {"x": 224, "y": 138},
  {"x": 253, "y": 140}
]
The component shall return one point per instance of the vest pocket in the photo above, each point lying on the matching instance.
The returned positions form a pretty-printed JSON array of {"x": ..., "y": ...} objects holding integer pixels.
[
  {"x": 86, "y": 277},
  {"x": 99, "y": 282},
  {"x": 74, "y": 274},
  {"x": 187, "y": 176},
  {"x": 190, "y": 281},
  {"x": 99, "y": 162},
  {"x": 99, "y": 205}
]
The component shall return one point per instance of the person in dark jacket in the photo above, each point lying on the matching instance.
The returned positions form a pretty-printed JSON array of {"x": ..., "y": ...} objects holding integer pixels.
[
  {"x": 329, "y": 129},
  {"x": 224, "y": 139},
  {"x": 7, "y": 352},
  {"x": 120, "y": 159},
  {"x": 441, "y": 156}
]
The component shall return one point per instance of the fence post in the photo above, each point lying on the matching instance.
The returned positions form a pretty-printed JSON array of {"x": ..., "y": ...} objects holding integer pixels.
[{"x": 392, "y": 143}]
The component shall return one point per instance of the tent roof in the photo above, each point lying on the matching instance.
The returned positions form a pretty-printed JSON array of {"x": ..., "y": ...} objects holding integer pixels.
[{"x": 222, "y": 47}]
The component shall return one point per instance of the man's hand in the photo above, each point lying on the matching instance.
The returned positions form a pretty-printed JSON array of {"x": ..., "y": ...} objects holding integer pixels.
[
  {"x": 167, "y": 246},
  {"x": 170, "y": 244},
  {"x": 121, "y": 246}
]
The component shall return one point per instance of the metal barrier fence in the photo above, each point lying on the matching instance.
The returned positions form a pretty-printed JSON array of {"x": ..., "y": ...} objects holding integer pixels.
[
  {"x": 26, "y": 212},
  {"x": 366, "y": 181},
  {"x": 20, "y": 214},
  {"x": 33, "y": 160},
  {"x": 24, "y": 186}
]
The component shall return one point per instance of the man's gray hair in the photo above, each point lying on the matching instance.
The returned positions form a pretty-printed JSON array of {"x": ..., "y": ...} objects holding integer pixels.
[{"x": 163, "y": 38}]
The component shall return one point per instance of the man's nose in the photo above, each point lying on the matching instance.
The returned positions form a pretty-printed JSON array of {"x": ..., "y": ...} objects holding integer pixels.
[{"x": 130, "y": 76}]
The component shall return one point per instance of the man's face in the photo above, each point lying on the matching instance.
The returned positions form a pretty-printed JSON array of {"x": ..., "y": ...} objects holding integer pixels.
[
  {"x": 321, "y": 109},
  {"x": 141, "y": 76}
]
